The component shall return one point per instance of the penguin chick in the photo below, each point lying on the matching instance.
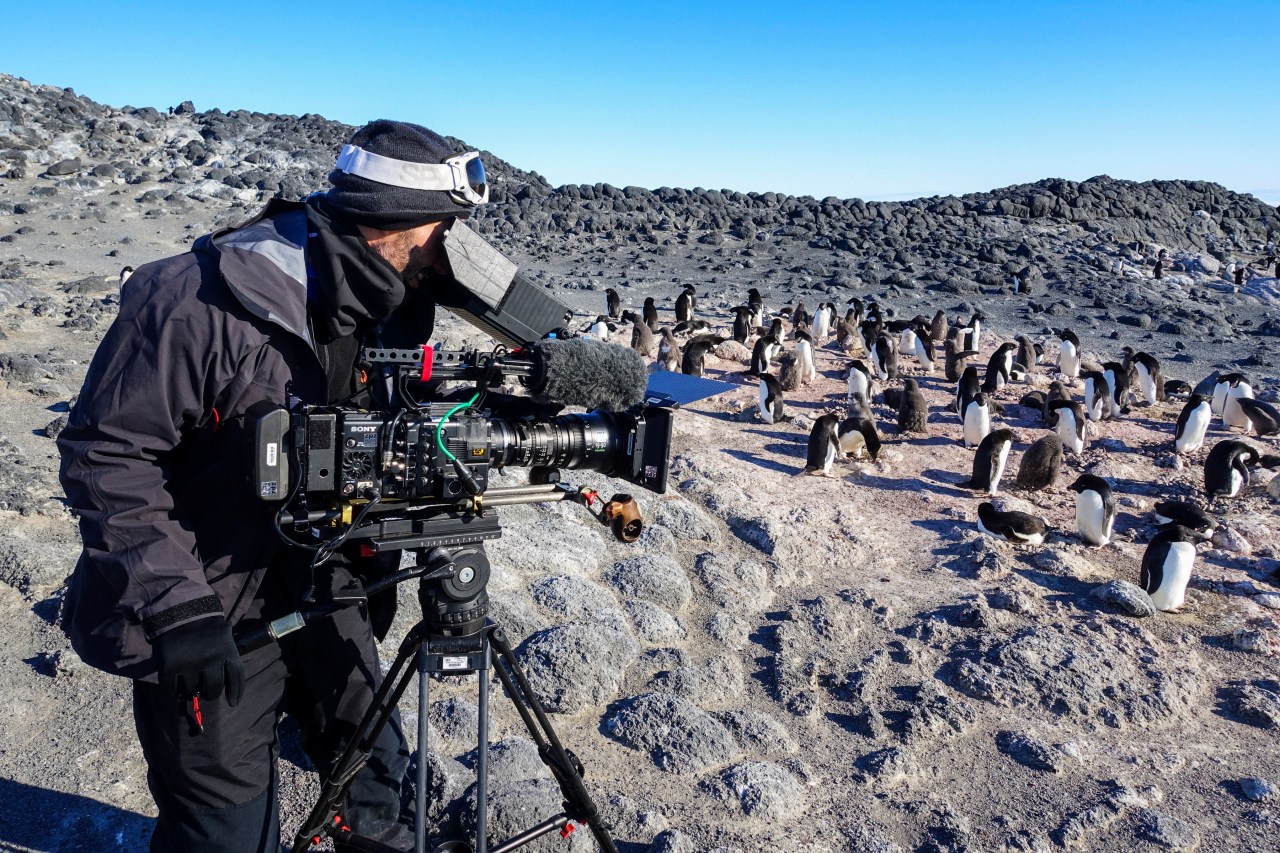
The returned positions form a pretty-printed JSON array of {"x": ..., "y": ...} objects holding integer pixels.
[
  {"x": 1017, "y": 527},
  {"x": 642, "y": 340},
  {"x": 1095, "y": 509},
  {"x": 913, "y": 411},
  {"x": 668, "y": 351},
  {"x": 790, "y": 373},
  {"x": 1041, "y": 463}
]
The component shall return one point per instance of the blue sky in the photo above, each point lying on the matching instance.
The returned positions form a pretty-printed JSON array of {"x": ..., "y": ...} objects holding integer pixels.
[{"x": 874, "y": 100}]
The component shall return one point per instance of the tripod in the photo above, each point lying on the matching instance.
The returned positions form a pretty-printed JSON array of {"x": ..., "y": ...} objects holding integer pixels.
[{"x": 453, "y": 638}]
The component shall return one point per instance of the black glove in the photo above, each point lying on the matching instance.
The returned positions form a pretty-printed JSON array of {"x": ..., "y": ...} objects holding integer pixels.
[{"x": 200, "y": 657}]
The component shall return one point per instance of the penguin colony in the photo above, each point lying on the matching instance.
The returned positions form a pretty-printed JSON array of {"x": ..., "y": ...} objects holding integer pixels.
[{"x": 890, "y": 361}]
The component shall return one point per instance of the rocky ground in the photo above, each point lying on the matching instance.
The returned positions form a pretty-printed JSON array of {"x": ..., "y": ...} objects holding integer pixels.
[{"x": 782, "y": 662}]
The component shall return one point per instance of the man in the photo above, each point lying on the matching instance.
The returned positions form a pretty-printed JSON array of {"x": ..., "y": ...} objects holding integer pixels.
[{"x": 156, "y": 461}]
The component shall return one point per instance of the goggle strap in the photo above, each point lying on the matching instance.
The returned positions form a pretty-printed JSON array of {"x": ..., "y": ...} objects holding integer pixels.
[{"x": 446, "y": 177}]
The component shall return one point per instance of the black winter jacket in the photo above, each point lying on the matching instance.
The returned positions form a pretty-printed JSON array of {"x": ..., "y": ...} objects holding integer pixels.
[{"x": 157, "y": 454}]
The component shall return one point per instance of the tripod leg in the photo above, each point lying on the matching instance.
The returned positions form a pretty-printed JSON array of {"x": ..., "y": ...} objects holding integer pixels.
[
  {"x": 563, "y": 765},
  {"x": 420, "y": 822},
  {"x": 482, "y": 757}
]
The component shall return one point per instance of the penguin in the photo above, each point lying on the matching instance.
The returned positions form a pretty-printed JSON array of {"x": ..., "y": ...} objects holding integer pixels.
[
  {"x": 668, "y": 351},
  {"x": 1095, "y": 509},
  {"x": 125, "y": 272},
  {"x": 1041, "y": 463},
  {"x": 858, "y": 309},
  {"x": 1188, "y": 515},
  {"x": 966, "y": 389},
  {"x": 1033, "y": 400},
  {"x": 1149, "y": 376},
  {"x": 924, "y": 350},
  {"x": 1069, "y": 354},
  {"x": 824, "y": 444},
  {"x": 1221, "y": 384},
  {"x": 1070, "y": 420},
  {"x": 762, "y": 354},
  {"x": 689, "y": 326},
  {"x": 1193, "y": 423},
  {"x": 1226, "y": 469},
  {"x": 1166, "y": 567},
  {"x": 1207, "y": 386},
  {"x": 1237, "y": 388},
  {"x": 938, "y": 328},
  {"x": 684, "y": 304},
  {"x": 1028, "y": 353},
  {"x": 777, "y": 329},
  {"x": 613, "y": 305},
  {"x": 1017, "y": 527},
  {"x": 650, "y": 314},
  {"x": 858, "y": 434},
  {"x": 859, "y": 380},
  {"x": 1057, "y": 391},
  {"x": 999, "y": 368},
  {"x": 972, "y": 332},
  {"x": 790, "y": 374},
  {"x": 741, "y": 323},
  {"x": 870, "y": 332},
  {"x": 847, "y": 335},
  {"x": 695, "y": 352},
  {"x": 1097, "y": 395},
  {"x": 1263, "y": 417},
  {"x": 884, "y": 358},
  {"x": 756, "y": 303},
  {"x": 642, "y": 339},
  {"x": 800, "y": 316},
  {"x": 770, "y": 399},
  {"x": 989, "y": 462},
  {"x": 804, "y": 352},
  {"x": 822, "y": 320},
  {"x": 977, "y": 421},
  {"x": 906, "y": 339},
  {"x": 1119, "y": 382},
  {"x": 600, "y": 328},
  {"x": 859, "y": 406},
  {"x": 1176, "y": 389},
  {"x": 956, "y": 357},
  {"x": 913, "y": 411}
]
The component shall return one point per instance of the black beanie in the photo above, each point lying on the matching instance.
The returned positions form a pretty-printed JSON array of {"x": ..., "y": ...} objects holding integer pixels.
[{"x": 388, "y": 207}]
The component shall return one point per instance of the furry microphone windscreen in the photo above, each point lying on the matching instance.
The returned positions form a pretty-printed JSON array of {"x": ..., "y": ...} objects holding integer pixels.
[{"x": 589, "y": 373}]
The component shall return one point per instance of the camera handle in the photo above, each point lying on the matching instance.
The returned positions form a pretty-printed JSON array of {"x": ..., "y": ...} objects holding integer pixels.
[{"x": 460, "y": 655}]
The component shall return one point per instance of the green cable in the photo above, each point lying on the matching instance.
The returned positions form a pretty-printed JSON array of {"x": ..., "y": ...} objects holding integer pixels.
[{"x": 440, "y": 426}]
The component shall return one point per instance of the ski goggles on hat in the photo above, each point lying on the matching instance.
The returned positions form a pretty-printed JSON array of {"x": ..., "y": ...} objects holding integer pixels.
[{"x": 461, "y": 176}]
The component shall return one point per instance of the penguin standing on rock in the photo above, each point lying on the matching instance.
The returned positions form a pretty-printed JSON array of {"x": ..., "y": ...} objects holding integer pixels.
[
  {"x": 1263, "y": 417},
  {"x": 1226, "y": 469},
  {"x": 1193, "y": 423},
  {"x": 1095, "y": 509},
  {"x": 824, "y": 444},
  {"x": 989, "y": 462},
  {"x": 1041, "y": 463},
  {"x": 790, "y": 374},
  {"x": 1057, "y": 391},
  {"x": 913, "y": 411},
  {"x": 770, "y": 399},
  {"x": 1069, "y": 354},
  {"x": 977, "y": 421},
  {"x": 1019, "y": 528},
  {"x": 822, "y": 319},
  {"x": 1166, "y": 567}
]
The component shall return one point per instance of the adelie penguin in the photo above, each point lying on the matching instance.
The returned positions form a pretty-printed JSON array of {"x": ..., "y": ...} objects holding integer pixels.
[
  {"x": 977, "y": 421},
  {"x": 938, "y": 328},
  {"x": 990, "y": 461},
  {"x": 1097, "y": 395},
  {"x": 858, "y": 434},
  {"x": 1236, "y": 389},
  {"x": 884, "y": 358},
  {"x": 804, "y": 352},
  {"x": 967, "y": 388},
  {"x": 1095, "y": 509},
  {"x": 971, "y": 332},
  {"x": 1150, "y": 377},
  {"x": 1118, "y": 382},
  {"x": 1069, "y": 417},
  {"x": 955, "y": 357},
  {"x": 668, "y": 351},
  {"x": 1017, "y": 527},
  {"x": 695, "y": 352},
  {"x": 650, "y": 314},
  {"x": 1028, "y": 353},
  {"x": 859, "y": 379},
  {"x": 1041, "y": 463},
  {"x": 1263, "y": 417},
  {"x": 741, "y": 323},
  {"x": 125, "y": 272},
  {"x": 770, "y": 406},
  {"x": 762, "y": 354},
  {"x": 642, "y": 340},
  {"x": 1166, "y": 567},
  {"x": 1057, "y": 391},
  {"x": 999, "y": 368},
  {"x": 685, "y": 304},
  {"x": 1188, "y": 515},
  {"x": 1226, "y": 469},
  {"x": 613, "y": 305},
  {"x": 1069, "y": 354},
  {"x": 822, "y": 320},
  {"x": 924, "y": 350},
  {"x": 913, "y": 411},
  {"x": 1193, "y": 424},
  {"x": 824, "y": 444}
]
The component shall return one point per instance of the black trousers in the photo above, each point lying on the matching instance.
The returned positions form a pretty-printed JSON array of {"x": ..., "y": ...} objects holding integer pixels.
[{"x": 216, "y": 791}]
